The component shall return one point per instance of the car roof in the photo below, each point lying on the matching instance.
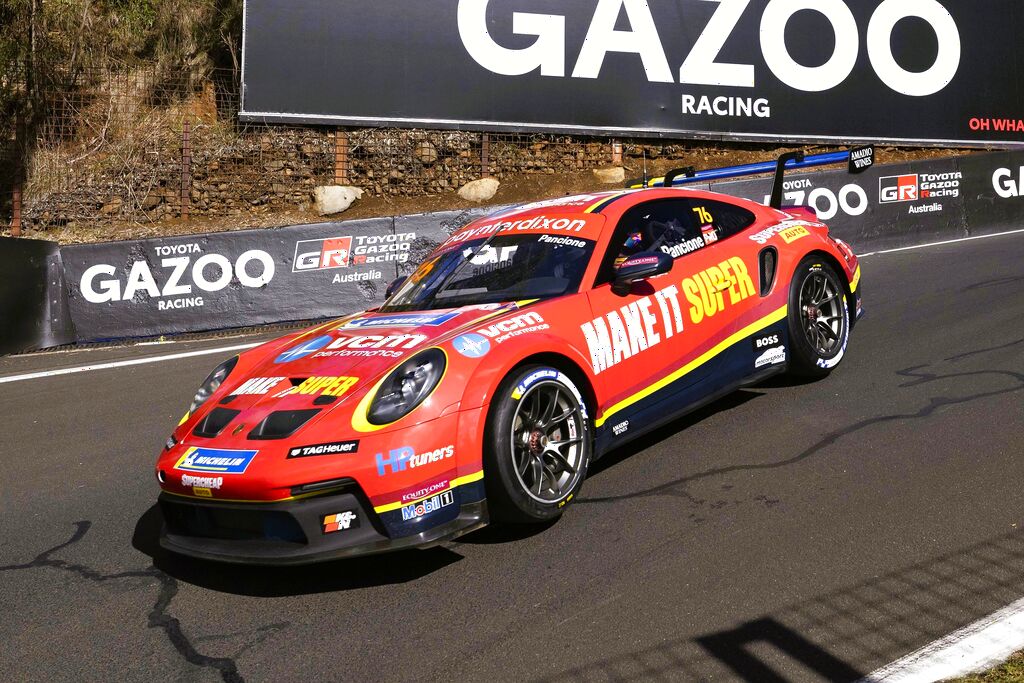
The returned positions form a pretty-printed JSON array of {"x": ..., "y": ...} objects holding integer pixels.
[{"x": 613, "y": 202}]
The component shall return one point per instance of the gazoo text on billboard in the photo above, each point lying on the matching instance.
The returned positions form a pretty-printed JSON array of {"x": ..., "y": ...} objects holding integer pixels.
[
  {"x": 1006, "y": 184},
  {"x": 181, "y": 279},
  {"x": 703, "y": 65}
]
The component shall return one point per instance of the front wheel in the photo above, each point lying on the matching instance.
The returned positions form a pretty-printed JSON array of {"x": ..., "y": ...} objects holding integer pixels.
[
  {"x": 537, "y": 446},
  {"x": 819, "y": 319}
]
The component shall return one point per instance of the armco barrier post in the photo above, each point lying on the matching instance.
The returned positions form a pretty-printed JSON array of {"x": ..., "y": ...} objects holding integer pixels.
[
  {"x": 340, "y": 157},
  {"x": 616, "y": 152},
  {"x": 19, "y": 168},
  {"x": 485, "y": 155},
  {"x": 186, "y": 167},
  {"x": 16, "y": 210}
]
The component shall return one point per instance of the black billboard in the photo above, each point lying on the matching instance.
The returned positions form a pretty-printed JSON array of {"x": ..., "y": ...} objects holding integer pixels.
[
  {"x": 231, "y": 279},
  {"x": 881, "y": 70},
  {"x": 886, "y": 207},
  {"x": 246, "y": 277}
]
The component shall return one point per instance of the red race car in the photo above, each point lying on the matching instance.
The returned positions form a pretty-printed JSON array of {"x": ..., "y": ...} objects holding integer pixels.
[{"x": 528, "y": 344}]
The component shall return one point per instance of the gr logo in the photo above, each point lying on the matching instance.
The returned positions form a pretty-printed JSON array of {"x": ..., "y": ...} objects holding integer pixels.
[
  {"x": 325, "y": 254},
  {"x": 766, "y": 342},
  {"x": 898, "y": 188}
]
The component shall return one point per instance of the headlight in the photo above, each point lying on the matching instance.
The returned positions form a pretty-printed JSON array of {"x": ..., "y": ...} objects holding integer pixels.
[
  {"x": 212, "y": 383},
  {"x": 407, "y": 386}
]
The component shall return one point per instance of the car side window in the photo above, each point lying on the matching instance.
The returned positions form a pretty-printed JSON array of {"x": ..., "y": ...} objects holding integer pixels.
[
  {"x": 720, "y": 220},
  {"x": 662, "y": 225}
]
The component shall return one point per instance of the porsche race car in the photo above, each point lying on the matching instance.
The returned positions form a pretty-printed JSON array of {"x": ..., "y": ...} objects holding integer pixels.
[{"x": 527, "y": 345}]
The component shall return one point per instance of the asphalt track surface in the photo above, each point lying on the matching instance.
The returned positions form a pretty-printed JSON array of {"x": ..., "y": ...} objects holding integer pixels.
[{"x": 788, "y": 532}]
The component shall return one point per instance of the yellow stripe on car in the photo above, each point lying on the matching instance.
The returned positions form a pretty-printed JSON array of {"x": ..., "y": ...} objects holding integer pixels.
[
  {"x": 855, "y": 282},
  {"x": 397, "y": 505},
  {"x": 747, "y": 331}
]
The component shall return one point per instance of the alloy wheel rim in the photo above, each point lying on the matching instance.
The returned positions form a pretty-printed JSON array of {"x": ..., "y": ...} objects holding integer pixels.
[
  {"x": 547, "y": 442},
  {"x": 821, "y": 314}
]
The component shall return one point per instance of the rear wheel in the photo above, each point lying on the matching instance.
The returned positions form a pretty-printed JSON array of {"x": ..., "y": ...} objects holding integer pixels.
[
  {"x": 537, "y": 446},
  {"x": 819, "y": 319}
]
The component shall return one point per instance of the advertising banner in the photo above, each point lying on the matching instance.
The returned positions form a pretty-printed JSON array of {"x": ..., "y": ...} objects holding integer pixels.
[
  {"x": 222, "y": 280},
  {"x": 877, "y": 70},
  {"x": 886, "y": 207},
  {"x": 231, "y": 279},
  {"x": 994, "y": 192}
]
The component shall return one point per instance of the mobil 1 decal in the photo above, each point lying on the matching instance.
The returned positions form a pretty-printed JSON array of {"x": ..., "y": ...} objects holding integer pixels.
[{"x": 938, "y": 70}]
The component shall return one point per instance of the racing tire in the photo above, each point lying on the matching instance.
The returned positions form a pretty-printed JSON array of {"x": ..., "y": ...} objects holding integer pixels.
[
  {"x": 538, "y": 444},
  {"x": 819, "y": 319}
]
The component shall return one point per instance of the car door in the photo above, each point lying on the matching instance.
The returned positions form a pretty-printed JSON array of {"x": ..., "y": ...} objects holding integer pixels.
[
  {"x": 651, "y": 346},
  {"x": 749, "y": 335}
]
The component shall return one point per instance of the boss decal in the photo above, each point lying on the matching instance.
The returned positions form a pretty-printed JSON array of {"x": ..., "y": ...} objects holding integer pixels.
[{"x": 767, "y": 341}]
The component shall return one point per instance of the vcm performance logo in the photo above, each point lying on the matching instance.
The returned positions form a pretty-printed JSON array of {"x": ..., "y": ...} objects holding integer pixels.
[
  {"x": 334, "y": 252},
  {"x": 898, "y": 188}
]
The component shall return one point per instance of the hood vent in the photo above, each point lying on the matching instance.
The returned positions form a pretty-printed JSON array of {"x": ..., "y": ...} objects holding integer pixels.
[
  {"x": 215, "y": 422},
  {"x": 282, "y": 424}
]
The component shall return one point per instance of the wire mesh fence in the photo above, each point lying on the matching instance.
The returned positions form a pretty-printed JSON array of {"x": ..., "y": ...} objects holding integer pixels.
[{"x": 115, "y": 146}]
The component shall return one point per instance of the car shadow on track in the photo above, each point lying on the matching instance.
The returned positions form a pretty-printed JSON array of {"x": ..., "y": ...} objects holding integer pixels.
[
  {"x": 264, "y": 581},
  {"x": 724, "y": 404}
]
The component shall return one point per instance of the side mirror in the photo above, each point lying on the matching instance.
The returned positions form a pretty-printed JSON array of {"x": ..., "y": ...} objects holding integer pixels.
[
  {"x": 393, "y": 287},
  {"x": 640, "y": 267}
]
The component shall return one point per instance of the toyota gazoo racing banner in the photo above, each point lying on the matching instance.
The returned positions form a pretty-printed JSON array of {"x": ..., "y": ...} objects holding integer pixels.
[
  {"x": 223, "y": 280},
  {"x": 907, "y": 70}
]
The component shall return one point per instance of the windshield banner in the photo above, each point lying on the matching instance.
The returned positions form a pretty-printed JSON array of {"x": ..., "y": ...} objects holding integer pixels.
[
  {"x": 879, "y": 70},
  {"x": 580, "y": 226}
]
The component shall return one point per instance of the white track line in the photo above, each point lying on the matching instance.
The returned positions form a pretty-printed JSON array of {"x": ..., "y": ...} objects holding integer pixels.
[
  {"x": 124, "y": 363},
  {"x": 939, "y": 244},
  {"x": 975, "y": 647}
]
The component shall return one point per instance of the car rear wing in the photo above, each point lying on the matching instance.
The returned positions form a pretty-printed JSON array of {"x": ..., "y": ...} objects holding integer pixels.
[{"x": 857, "y": 160}]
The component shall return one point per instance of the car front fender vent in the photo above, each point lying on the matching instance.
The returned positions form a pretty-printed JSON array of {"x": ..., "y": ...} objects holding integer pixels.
[
  {"x": 322, "y": 487},
  {"x": 215, "y": 422},
  {"x": 769, "y": 266},
  {"x": 282, "y": 424}
]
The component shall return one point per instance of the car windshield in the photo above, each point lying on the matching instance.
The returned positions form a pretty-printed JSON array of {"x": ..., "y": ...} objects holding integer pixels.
[{"x": 499, "y": 269}]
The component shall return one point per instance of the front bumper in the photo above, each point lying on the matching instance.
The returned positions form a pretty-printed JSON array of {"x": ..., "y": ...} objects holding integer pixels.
[{"x": 292, "y": 532}]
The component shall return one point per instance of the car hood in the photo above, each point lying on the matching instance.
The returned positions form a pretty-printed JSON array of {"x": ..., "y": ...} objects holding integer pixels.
[{"x": 343, "y": 359}]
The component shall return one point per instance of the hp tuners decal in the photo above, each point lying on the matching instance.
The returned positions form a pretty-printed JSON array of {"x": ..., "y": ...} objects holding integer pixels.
[
  {"x": 472, "y": 345},
  {"x": 400, "y": 459},
  {"x": 304, "y": 349}
]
